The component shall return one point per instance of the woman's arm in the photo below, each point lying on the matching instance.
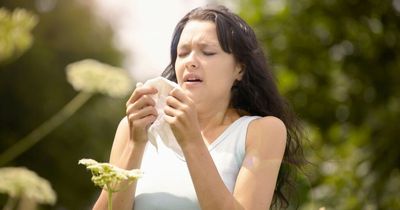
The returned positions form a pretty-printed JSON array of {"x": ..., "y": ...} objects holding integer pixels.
[
  {"x": 265, "y": 147},
  {"x": 124, "y": 154},
  {"x": 255, "y": 184},
  {"x": 129, "y": 144}
]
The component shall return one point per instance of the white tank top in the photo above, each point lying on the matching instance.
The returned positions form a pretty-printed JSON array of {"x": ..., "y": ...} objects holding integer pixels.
[{"x": 167, "y": 185}]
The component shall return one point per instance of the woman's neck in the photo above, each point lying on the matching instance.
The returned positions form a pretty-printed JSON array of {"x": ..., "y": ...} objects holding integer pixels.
[
  {"x": 212, "y": 124},
  {"x": 217, "y": 117}
]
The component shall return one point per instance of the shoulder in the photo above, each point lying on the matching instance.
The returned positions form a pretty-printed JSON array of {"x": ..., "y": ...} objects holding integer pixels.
[
  {"x": 123, "y": 123},
  {"x": 120, "y": 139},
  {"x": 266, "y": 133},
  {"x": 268, "y": 125},
  {"x": 122, "y": 129},
  {"x": 265, "y": 148}
]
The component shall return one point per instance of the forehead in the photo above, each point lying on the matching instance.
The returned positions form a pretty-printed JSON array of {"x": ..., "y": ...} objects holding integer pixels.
[{"x": 199, "y": 31}]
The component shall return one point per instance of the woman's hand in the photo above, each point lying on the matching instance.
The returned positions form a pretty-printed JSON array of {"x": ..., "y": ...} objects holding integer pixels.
[
  {"x": 141, "y": 112},
  {"x": 180, "y": 113}
]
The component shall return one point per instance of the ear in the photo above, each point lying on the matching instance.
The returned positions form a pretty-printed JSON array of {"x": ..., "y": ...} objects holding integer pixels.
[{"x": 239, "y": 71}]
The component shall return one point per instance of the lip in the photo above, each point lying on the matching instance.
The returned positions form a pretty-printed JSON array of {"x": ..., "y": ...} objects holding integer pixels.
[
  {"x": 192, "y": 78},
  {"x": 188, "y": 84}
]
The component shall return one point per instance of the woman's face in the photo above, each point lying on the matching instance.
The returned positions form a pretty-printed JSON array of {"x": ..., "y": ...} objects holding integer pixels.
[{"x": 202, "y": 68}]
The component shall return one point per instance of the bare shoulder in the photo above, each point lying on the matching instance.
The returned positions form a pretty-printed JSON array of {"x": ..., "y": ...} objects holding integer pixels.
[
  {"x": 122, "y": 130},
  {"x": 269, "y": 122},
  {"x": 123, "y": 123},
  {"x": 120, "y": 139},
  {"x": 265, "y": 148},
  {"x": 266, "y": 133}
]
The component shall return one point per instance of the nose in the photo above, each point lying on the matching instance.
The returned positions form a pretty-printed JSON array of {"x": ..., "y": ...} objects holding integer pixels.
[{"x": 192, "y": 63}]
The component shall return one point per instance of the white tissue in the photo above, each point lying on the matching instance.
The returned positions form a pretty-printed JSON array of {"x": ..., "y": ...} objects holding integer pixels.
[{"x": 160, "y": 128}]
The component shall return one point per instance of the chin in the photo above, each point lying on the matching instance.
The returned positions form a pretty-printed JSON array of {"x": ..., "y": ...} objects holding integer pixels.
[
  {"x": 190, "y": 93},
  {"x": 194, "y": 95}
]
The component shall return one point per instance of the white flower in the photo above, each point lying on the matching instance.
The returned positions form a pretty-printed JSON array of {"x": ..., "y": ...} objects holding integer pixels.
[
  {"x": 20, "y": 182},
  {"x": 87, "y": 162},
  {"x": 15, "y": 32},
  {"x": 93, "y": 76},
  {"x": 108, "y": 176}
]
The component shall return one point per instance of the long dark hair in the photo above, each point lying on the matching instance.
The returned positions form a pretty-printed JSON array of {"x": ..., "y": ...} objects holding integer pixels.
[{"x": 256, "y": 93}]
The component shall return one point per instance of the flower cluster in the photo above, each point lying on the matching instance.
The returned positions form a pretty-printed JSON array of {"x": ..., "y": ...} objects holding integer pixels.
[
  {"x": 93, "y": 76},
  {"x": 108, "y": 176},
  {"x": 20, "y": 182},
  {"x": 15, "y": 32}
]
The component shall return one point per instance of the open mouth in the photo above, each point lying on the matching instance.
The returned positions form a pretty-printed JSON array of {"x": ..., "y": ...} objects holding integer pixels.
[{"x": 192, "y": 79}]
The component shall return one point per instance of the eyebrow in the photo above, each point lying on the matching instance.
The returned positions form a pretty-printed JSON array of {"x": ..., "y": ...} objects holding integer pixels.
[{"x": 201, "y": 44}]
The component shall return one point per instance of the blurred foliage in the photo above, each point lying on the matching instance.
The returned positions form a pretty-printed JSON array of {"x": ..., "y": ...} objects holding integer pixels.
[
  {"x": 25, "y": 186},
  {"x": 34, "y": 87},
  {"x": 15, "y": 32},
  {"x": 88, "y": 76},
  {"x": 92, "y": 76},
  {"x": 338, "y": 63}
]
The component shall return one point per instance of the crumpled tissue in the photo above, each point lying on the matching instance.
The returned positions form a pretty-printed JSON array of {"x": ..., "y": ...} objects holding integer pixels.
[{"x": 160, "y": 127}]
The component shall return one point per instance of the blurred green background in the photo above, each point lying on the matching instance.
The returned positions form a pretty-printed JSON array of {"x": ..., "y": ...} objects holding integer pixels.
[{"x": 336, "y": 61}]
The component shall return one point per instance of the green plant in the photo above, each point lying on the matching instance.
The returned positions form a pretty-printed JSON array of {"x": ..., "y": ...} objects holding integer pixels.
[
  {"x": 109, "y": 177},
  {"x": 25, "y": 186},
  {"x": 15, "y": 32},
  {"x": 87, "y": 76}
]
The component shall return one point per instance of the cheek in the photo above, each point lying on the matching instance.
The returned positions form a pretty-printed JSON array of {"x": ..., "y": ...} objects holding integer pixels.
[
  {"x": 225, "y": 76},
  {"x": 221, "y": 83},
  {"x": 178, "y": 72}
]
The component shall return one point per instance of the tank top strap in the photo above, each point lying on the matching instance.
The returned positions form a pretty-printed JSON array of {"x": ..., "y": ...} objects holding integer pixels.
[
  {"x": 233, "y": 139},
  {"x": 241, "y": 135}
]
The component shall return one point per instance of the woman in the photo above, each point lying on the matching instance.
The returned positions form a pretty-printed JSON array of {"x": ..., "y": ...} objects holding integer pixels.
[{"x": 228, "y": 118}]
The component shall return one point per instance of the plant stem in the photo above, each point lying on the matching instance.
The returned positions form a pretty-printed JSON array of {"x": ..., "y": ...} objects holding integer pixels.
[
  {"x": 45, "y": 128},
  {"x": 109, "y": 193},
  {"x": 11, "y": 202}
]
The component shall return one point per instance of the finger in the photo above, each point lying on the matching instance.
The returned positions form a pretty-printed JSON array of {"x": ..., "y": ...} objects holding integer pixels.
[
  {"x": 143, "y": 102},
  {"x": 169, "y": 119},
  {"x": 172, "y": 112},
  {"x": 173, "y": 102},
  {"x": 140, "y": 91},
  {"x": 179, "y": 94},
  {"x": 146, "y": 111},
  {"x": 133, "y": 93},
  {"x": 144, "y": 122}
]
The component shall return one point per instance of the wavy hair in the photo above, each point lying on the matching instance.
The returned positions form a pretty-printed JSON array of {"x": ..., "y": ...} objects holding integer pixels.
[{"x": 256, "y": 93}]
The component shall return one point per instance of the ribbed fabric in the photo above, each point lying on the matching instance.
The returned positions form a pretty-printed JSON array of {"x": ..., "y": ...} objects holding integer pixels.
[{"x": 167, "y": 185}]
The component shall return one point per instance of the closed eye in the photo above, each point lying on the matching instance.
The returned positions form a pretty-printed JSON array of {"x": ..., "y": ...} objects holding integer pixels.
[
  {"x": 182, "y": 54},
  {"x": 209, "y": 53}
]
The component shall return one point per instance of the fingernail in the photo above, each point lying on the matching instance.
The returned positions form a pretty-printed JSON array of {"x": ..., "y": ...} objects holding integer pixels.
[{"x": 139, "y": 84}]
